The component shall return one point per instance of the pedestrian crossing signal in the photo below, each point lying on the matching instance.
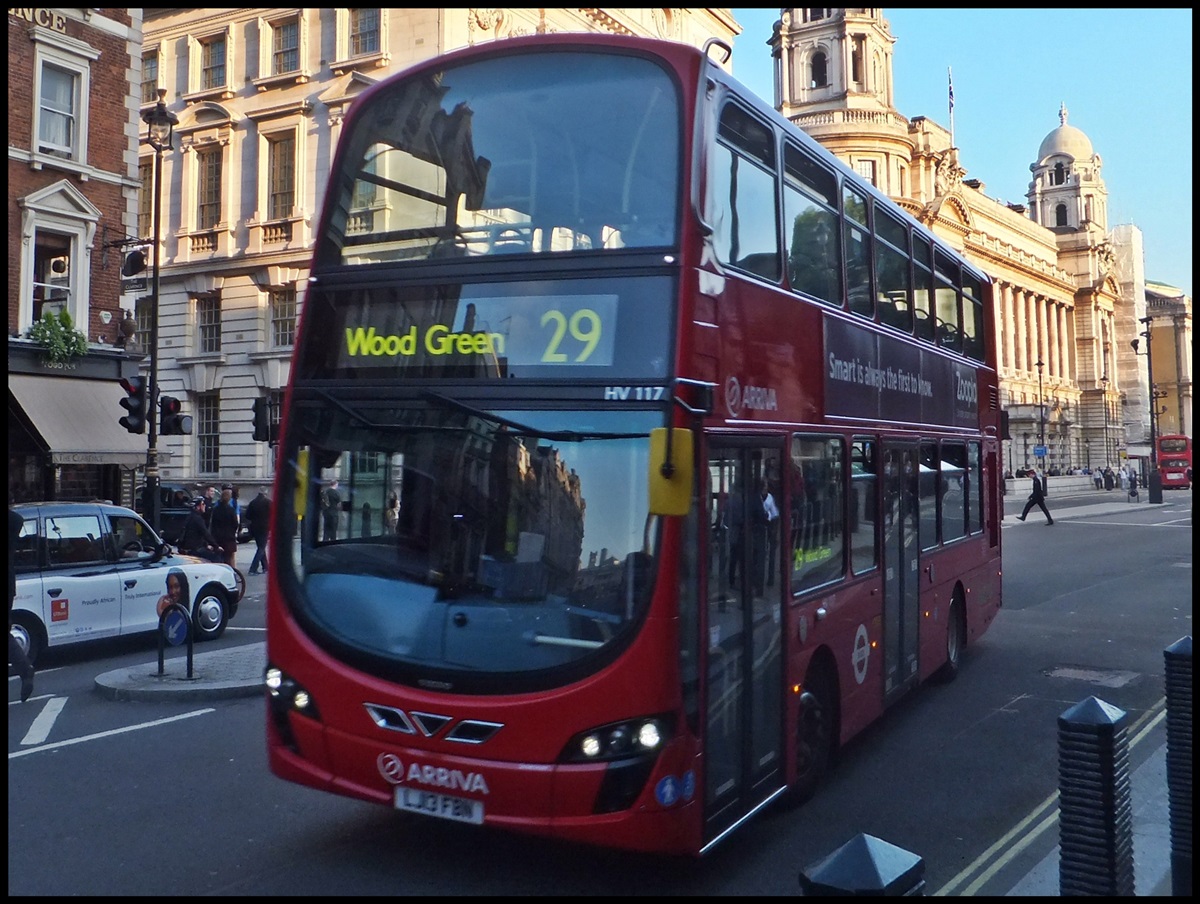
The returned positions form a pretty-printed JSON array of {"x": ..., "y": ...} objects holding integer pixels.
[
  {"x": 171, "y": 419},
  {"x": 135, "y": 403},
  {"x": 262, "y": 420}
]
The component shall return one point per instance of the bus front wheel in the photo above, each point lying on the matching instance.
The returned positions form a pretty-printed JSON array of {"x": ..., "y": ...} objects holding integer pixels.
[{"x": 815, "y": 727}]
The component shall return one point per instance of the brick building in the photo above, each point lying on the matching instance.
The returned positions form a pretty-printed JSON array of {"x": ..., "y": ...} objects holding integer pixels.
[{"x": 73, "y": 132}]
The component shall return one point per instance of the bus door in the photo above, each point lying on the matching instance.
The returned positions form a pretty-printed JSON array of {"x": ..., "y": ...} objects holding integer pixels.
[
  {"x": 744, "y": 693},
  {"x": 901, "y": 568}
]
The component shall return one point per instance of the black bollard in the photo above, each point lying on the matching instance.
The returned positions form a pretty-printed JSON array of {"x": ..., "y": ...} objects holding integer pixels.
[
  {"x": 1095, "y": 810},
  {"x": 865, "y": 865},
  {"x": 1178, "y": 658}
]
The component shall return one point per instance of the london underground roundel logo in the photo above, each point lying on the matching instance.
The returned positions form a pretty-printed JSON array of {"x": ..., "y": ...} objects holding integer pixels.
[{"x": 733, "y": 396}]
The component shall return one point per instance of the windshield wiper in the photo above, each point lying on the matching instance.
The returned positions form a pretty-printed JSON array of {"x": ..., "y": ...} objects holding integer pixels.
[{"x": 519, "y": 429}]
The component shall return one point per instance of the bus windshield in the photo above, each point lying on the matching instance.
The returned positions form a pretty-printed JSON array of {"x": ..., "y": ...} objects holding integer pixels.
[
  {"x": 462, "y": 544},
  {"x": 542, "y": 152}
]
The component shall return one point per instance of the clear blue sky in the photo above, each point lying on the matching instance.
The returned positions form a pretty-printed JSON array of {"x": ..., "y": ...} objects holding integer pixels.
[{"x": 1124, "y": 74}]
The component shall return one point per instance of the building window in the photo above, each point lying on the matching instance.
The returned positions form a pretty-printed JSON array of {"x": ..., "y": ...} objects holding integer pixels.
[
  {"x": 143, "y": 314},
  {"x": 52, "y": 274},
  {"x": 285, "y": 46},
  {"x": 212, "y": 63},
  {"x": 820, "y": 71},
  {"x": 364, "y": 31},
  {"x": 57, "y": 125},
  {"x": 208, "y": 432},
  {"x": 61, "y": 84},
  {"x": 1060, "y": 215},
  {"x": 283, "y": 317},
  {"x": 208, "y": 190},
  {"x": 145, "y": 221},
  {"x": 208, "y": 323},
  {"x": 150, "y": 78},
  {"x": 866, "y": 169},
  {"x": 281, "y": 176}
]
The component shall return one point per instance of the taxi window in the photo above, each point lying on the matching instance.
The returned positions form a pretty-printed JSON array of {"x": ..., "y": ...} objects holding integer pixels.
[
  {"x": 130, "y": 537},
  {"x": 25, "y": 555},
  {"x": 74, "y": 540}
]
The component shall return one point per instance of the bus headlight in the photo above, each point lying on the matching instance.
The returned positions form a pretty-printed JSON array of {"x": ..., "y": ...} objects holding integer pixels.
[
  {"x": 286, "y": 695},
  {"x": 632, "y": 737}
]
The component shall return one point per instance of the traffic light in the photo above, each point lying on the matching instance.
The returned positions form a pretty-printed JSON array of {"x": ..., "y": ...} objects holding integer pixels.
[
  {"x": 135, "y": 403},
  {"x": 171, "y": 422},
  {"x": 262, "y": 420}
]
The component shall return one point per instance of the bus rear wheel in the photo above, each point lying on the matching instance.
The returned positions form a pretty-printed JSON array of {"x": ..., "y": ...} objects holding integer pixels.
[
  {"x": 956, "y": 640},
  {"x": 815, "y": 726}
]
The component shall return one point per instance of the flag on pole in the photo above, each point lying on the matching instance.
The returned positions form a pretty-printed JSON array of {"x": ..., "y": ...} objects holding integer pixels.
[{"x": 950, "y": 76}]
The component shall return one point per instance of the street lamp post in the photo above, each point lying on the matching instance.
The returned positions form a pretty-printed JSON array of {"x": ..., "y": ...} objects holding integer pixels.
[
  {"x": 1154, "y": 479},
  {"x": 1104, "y": 401},
  {"x": 160, "y": 123},
  {"x": 1039, "y": 364}
]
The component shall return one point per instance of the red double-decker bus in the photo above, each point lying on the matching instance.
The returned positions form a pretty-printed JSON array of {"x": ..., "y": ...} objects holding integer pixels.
[
  {"x": 666, "y": 452},
  {"x": 1174, "y": 460}
]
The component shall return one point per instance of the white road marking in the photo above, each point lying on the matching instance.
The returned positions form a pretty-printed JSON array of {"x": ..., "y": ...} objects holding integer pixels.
[
  {"x": 108, "y": 734},
  {"x": 40, "y": 729}
]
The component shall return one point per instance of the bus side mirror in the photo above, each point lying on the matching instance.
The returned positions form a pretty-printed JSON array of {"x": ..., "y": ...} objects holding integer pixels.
[{"x": 671, "y": 471}]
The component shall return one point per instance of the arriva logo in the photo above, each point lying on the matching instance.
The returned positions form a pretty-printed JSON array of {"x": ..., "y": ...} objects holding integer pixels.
[
  {"x": 753, "y": 398},
  {"x": 392, "y": 769}
]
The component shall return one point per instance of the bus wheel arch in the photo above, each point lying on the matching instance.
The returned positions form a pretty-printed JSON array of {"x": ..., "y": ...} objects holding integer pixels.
[
  {"x": 817, "y": 726},
  {"x": 956, "y": 635},
  {"x": 30, "y": 633}
]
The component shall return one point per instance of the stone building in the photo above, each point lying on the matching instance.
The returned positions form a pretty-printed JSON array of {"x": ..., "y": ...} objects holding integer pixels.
[
  {"x": 261, "y": 95},
  {"x": 73, "y": 134},
  {"x": 1070, "y": 291}
]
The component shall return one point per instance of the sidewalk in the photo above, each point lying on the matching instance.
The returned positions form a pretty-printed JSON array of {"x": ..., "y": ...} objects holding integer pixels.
[
  {"x": 1151, "y": 836},
  {"x": 217, "y": 675}
]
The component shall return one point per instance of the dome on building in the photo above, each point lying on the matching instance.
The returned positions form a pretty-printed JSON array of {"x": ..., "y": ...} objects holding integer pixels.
[{"x": 1066, "y": 140}]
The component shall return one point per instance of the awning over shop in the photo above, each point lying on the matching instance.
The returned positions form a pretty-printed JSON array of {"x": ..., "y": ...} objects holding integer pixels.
[{"x": 77, "y": 419}]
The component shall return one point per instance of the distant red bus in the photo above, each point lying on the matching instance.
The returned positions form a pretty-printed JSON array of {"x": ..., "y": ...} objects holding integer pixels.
[
  {"x": 666, "y": 449},
  {"x": 1174, "y": 460}
]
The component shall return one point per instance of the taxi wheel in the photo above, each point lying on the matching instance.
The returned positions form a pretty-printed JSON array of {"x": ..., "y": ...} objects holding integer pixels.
[
  {"x": 28, "y": 632},
  {"x": 210, "y": 615}
]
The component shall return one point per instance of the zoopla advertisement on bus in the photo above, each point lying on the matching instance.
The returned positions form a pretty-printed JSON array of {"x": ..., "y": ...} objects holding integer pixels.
[{"x": 876, "y": 377}]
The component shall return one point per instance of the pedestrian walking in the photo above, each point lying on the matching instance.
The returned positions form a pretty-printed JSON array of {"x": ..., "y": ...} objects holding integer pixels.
[
  {"x": 1110, "y": 479},
  {"x": 391, "y": 515},
  {"x": 211, "y": 498},
  {"x": 1037, "y": 496},
  {"x": 258, "y": 516},
  {"x": 224, "y": 525},
  {"x": 331, "y": 508},
  {"x": 16, "y": 653},
  {"x": 1098, "y": 479}
]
